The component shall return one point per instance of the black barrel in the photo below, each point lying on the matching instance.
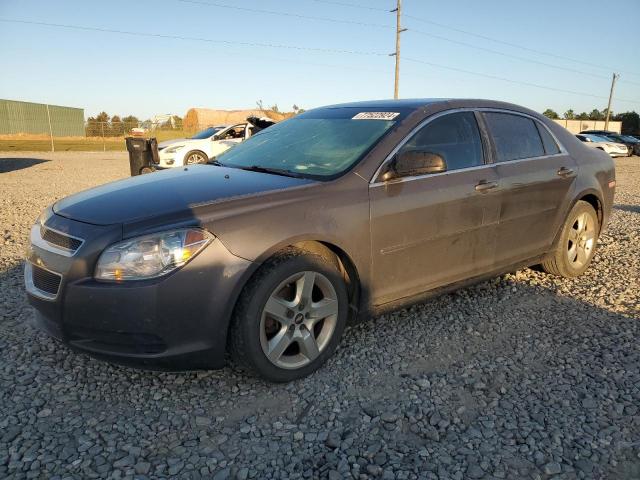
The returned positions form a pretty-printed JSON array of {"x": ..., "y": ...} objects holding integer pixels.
[{"x": 143, "y": 155}]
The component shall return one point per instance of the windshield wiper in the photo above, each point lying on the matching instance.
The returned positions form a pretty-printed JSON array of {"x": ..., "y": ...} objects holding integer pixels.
[{"x": 275, "y": 171}]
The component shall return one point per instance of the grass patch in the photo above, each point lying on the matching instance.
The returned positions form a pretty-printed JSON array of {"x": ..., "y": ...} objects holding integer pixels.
[
  {"x": 42, "y": 143},
  {"x": 61, "y": 145}
]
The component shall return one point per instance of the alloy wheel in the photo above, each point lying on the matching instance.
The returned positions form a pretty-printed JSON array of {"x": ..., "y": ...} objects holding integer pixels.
[
  {"x": 298, "y": 320},
  {"x": 195, "y": 158},
  {"x": 581, "y": 240}
]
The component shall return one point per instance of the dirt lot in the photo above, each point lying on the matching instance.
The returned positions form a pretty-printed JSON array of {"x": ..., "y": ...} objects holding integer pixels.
[{"x": 526, "y": 376}]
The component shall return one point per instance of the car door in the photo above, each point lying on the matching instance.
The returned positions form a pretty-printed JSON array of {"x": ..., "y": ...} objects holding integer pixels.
[
  {"x": 536, "y": 176},
  {"x": 434, "y": 229},
  {"x": 226, "y": 139}
]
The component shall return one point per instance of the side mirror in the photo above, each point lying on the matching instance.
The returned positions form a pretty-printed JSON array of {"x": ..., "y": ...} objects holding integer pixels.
[{"x": 415, "y": 162}]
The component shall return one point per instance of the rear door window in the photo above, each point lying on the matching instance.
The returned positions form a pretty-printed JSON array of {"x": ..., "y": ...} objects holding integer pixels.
[
  {"x": 515, "y": 137},
  {"x": 455, "y": 137},
  {"x": 550, "y": 145}
]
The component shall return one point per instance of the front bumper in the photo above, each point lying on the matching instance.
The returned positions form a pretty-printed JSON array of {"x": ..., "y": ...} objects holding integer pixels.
[
  {"x": 170, "y": 160},
  {"x": 175, "y": 322}
]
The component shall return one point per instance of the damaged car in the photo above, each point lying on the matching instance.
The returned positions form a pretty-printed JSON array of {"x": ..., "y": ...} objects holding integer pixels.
[
  {"x": 208, "y": 143},
  {"x": 333, "y": 216}
]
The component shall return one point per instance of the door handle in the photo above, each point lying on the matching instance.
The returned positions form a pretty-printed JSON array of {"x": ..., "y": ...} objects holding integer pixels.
[
  {"x": 565, "y": 172},
  {"x": 486, "y": 186}
]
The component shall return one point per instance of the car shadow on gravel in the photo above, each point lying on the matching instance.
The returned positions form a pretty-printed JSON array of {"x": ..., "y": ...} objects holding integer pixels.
[
  {"x": 507, "y": 379},
  {"x": 627, "y": 208},
  {"x": 11, "y": 164}
]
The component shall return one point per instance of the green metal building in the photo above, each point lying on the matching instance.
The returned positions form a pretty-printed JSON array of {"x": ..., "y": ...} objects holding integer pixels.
[{"x": 28, "y": 117}]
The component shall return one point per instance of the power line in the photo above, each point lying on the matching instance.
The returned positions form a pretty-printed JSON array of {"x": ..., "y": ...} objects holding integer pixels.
[
  {"x": 352, "y": 5},
  {"x": 508, "y": 55},
  {"x": 294, "y": 47},
  {"x": 517, "y": 82},
  {"x": 510, "y": 44},
  {"x": 285, "y": 14},
  {"x": 484, "y": 37},
  {"x": 194, "y": 39},
  {"x": 376, "y": 25}
]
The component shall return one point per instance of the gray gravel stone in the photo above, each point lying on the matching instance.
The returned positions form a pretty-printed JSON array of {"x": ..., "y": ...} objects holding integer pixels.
[{"x": 552, "y": 468}]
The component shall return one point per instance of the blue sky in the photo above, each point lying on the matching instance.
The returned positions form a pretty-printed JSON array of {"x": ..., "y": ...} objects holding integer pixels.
[{"x": 140, "y": 75}]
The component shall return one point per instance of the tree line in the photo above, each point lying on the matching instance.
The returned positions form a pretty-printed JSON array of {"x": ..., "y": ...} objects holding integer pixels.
[
  {"x": 105, "y": 125},
  {"x": 630, "y": 120}
]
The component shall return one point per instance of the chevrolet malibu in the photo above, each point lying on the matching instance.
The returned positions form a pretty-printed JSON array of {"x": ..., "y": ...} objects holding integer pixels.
[{"x": 335, "y": 215}]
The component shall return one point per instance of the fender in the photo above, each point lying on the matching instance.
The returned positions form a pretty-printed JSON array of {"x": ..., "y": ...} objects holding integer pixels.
[{"x": 579, "y": 196}]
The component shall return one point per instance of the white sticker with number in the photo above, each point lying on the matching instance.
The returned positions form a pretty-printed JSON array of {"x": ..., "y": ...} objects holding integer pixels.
[{"x": 376, "y": 116}]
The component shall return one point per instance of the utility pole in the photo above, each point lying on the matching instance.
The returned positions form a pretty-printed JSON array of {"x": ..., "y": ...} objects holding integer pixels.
[
  {"x": 399, "y": 30},
  {"x": 613, "y": 83}
]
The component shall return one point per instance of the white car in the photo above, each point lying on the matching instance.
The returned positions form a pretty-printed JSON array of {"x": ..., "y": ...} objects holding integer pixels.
[
  {"x": 203, "y": 146},
  {"x": 612, "y": 148}
]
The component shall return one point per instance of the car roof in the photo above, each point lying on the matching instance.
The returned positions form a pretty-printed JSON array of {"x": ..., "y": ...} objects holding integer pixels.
[
  {"x": 409, "y": 103},
  {"x": 415, "y": 104}
]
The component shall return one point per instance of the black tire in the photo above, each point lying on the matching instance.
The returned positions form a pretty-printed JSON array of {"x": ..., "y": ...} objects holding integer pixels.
[
  {"x": 245, "y": 332},
  {"x": 198, "y": 157},
  {"x": 558, "y": 262}
]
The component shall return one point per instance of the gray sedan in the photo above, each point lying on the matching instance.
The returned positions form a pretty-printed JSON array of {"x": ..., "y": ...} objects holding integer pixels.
[{"x": 335, "y": 215}]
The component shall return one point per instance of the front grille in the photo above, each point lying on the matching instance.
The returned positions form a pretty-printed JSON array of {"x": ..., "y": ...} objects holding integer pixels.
[
  {"x": 59, "y": 239},
  {"x": 44, "y": 280}
]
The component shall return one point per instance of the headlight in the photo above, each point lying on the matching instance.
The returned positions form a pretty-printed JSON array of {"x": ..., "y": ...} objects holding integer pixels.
[
  {"x": 173, "y": 149},
  {"x": 152, "y": 255}
]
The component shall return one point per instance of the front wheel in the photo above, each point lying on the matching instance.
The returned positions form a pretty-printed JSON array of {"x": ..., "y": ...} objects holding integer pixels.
[
  {"x": 195, "y": 158},
  {"x": 290, "y": 316},
  {"x": 577, "y": 243}
]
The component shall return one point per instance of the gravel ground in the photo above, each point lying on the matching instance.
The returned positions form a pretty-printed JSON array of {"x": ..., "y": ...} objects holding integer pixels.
[{"x": 525, "y": 376}]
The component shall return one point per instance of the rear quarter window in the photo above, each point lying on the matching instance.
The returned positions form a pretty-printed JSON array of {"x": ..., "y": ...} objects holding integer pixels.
[
  {"x": 515, "y": 137},
  {"x": 550, "y": 145}
]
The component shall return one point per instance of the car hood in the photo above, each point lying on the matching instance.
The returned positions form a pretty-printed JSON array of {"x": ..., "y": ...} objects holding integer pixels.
[
  {"x": 168, "y": 193},
  {"x": 174, "y": 141}
]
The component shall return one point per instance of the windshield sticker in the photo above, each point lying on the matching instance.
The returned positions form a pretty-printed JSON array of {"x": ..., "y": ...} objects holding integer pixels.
[{"x": 376, "y": 116}]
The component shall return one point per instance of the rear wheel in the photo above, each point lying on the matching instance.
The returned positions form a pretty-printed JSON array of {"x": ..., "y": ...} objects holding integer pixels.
[
  {"x": 195, "y": 157},
  {"x": 290, "y": 316},
  {"x": 577, "y": 243}
]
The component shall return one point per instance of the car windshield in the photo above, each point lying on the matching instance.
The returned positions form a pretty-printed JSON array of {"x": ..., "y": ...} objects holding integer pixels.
[
  {"x": 315, "y": 144},
  {"x": 206, "y": 133}
]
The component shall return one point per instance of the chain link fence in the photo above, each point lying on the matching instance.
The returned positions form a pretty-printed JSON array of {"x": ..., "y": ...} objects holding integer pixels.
[{"x": 98, "y": 136}]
